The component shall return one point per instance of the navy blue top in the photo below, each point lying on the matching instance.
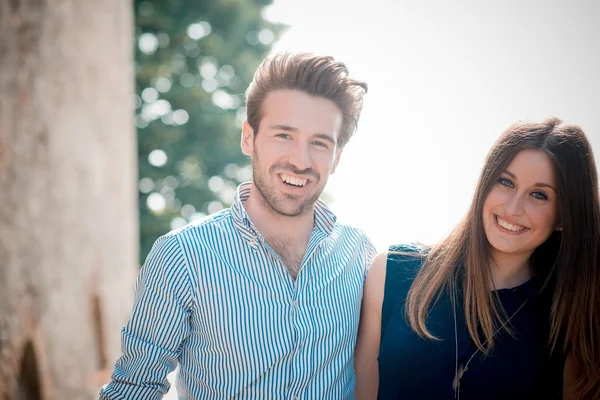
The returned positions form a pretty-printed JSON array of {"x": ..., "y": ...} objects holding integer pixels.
[{"x": 519, "y": 367}]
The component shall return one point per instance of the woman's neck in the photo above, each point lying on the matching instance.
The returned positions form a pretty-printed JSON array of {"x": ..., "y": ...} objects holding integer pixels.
[{"x": 510, "y": 270}]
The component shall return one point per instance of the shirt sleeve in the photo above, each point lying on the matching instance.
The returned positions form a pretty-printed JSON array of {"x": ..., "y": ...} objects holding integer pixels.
[
  {"x": 369, "y": 252},
  {"x": 151, "y": 340}
]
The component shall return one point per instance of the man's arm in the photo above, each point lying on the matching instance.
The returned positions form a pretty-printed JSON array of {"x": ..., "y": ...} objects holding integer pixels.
[
  {"x": 151, "y": 340},
  {"x": 369, "y": 331}
]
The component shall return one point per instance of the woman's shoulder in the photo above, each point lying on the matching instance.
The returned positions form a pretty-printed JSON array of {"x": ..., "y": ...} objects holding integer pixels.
[
  {"x": 394, "y": 268},
  {"x": 405, "y": 260},
  {"x": 392, "y": 272},
  {"x": 399, "y": 258},
  {"x": 402, "y": 264},
  {"x": 409, "y": 248}
]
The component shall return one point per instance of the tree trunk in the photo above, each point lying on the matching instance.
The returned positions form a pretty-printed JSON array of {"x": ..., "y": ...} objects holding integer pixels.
[{"x": 68, "y": 198}]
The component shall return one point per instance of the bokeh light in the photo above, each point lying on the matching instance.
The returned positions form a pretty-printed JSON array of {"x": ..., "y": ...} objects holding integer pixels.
[
  {"x": 148, "y": 43},
  {"x": 156, "y": 202},
  {"x": 157, "y": 158}
]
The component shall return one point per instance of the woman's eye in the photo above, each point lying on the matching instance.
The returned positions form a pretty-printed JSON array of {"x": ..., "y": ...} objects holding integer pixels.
[
  {"x": 539, "y": 195},
  {"x": 505, "y": 182}
]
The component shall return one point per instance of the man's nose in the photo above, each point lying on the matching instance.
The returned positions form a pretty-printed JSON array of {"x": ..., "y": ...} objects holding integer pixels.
[{"x": 300, "y": 157}]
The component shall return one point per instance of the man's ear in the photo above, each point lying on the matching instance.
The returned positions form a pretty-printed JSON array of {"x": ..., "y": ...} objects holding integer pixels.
[
  {"x": 338, "y": 155},
  {"x": 247, "y": 139}
]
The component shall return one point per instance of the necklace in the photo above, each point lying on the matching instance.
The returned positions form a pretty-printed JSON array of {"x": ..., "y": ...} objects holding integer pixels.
[{"x": 456, "y": 380}]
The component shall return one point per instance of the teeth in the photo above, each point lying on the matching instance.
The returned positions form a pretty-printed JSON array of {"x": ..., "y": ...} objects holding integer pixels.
[
  {"x": 510, "y": 227},
  {"x": 293, "y": 181}
]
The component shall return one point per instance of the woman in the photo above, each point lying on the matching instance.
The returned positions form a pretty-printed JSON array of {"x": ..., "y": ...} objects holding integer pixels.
[{"x": 507, "y": 305}]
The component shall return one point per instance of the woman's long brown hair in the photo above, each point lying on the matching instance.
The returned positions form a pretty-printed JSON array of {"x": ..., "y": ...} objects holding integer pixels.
[{"x": 568, "y": 262}]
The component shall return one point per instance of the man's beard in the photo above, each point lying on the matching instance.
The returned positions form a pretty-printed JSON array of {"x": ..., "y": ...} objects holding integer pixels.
[{"x": 272, "y": 201}]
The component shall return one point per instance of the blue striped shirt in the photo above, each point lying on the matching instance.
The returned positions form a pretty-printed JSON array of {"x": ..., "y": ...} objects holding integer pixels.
[{"x": 215, "y": 298}]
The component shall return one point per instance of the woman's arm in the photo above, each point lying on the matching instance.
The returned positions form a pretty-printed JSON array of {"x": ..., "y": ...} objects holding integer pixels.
[{"x": 367, "y": 344}]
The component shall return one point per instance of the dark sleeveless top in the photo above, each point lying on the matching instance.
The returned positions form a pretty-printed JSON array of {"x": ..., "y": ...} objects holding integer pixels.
[{"x": 519, "y": 367}]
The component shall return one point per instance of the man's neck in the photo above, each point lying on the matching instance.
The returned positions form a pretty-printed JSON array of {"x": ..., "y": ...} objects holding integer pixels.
[
  {"x": 271, "y": 224},
  {"x": 509, "y": 271}
]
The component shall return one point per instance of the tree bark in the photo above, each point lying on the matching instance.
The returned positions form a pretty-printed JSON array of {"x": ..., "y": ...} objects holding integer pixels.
[{"x": 68, "y": 194}]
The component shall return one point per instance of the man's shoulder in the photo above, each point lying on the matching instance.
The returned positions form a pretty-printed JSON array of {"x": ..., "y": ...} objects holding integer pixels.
[
  {"x": 198, "y": 232},
  {"x": 197, "y": 237},
  {"x": 351, "y": 236},
  {"x": 200, "y": 226},
  {"x": 348, "y": 230}
]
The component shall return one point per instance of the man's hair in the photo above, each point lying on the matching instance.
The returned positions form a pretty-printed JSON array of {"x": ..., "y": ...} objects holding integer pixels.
[{"x": 314, "y": 75}]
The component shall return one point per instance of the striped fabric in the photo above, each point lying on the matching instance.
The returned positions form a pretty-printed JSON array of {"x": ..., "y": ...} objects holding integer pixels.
[{"x": 216, "y": 298}]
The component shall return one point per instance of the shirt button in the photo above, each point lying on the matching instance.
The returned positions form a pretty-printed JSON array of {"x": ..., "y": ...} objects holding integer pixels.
[{"x": 295, "y": 303}]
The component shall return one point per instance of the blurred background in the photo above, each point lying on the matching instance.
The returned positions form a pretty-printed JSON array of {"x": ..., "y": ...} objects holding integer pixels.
[{"x": 120, "y": 122}]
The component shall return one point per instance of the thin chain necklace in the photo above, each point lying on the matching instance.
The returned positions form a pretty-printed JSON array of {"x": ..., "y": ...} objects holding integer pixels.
[{"x": 456, "y": 380}]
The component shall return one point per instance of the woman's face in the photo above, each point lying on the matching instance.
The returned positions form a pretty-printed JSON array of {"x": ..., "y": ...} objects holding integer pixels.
[{"x": 521, "y": 210}]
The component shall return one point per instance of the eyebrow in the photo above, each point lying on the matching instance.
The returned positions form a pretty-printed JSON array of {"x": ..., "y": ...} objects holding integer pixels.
[
  {"x": 326, "y": 137},
  {"x": 538, "y": 184},
  {"x": 288, "y": 128}
]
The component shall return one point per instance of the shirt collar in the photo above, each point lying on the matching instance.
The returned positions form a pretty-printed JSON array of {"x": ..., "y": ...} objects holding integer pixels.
[
  {"x": 529, "y": 289},
  {"x": 325, "y": 219}
]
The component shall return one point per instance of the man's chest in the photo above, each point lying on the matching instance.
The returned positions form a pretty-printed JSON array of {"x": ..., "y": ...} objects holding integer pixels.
[{"x": 249, "y": 309}]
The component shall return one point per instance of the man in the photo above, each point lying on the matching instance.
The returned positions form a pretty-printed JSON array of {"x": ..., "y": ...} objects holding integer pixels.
[{"x": 260, "y": 300}]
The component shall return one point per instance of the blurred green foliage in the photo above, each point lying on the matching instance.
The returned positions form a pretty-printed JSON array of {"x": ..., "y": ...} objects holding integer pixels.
[{"x": 193, "y": 61}]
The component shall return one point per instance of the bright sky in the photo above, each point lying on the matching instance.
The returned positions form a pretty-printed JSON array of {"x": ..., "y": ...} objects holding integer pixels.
[{"x": 445, "y": 80}]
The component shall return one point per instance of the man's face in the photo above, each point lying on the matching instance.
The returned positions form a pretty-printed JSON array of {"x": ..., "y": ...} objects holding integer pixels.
[{"x": 294, "y": 151}]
